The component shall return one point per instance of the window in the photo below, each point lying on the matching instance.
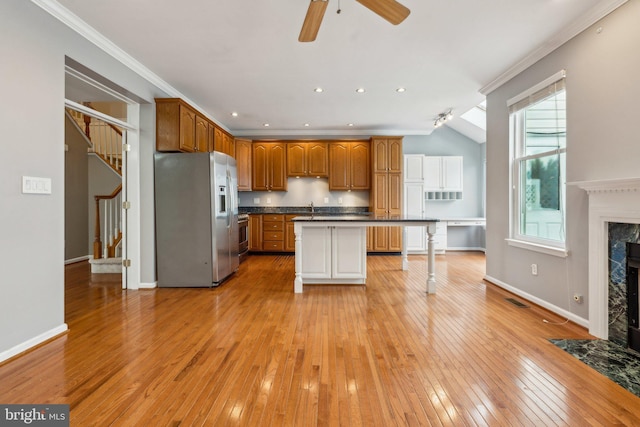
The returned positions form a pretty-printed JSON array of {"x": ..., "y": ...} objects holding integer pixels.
[{"x": 538, "y": 141}]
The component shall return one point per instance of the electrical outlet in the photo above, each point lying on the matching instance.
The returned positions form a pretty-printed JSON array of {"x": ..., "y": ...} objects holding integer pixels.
[
  {"x": 268, "y": 200},
  {"x": 339, "y": 200},
  {"x": 534, "y": 269},
  {"x": 577, "y": 298},
  {"x": 256, "y": 200},
  {"x": 326, "y": 200}
]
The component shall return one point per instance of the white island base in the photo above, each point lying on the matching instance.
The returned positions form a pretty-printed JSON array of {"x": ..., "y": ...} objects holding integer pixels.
[{"x": 333, "y": 250}]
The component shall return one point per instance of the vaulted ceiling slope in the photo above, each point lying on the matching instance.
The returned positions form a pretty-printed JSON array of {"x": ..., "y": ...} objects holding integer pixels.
[{"x": 244, "y": 56}]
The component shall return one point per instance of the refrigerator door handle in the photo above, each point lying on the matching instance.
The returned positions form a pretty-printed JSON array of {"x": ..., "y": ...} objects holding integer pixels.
[{"x": 230, "y": 198}]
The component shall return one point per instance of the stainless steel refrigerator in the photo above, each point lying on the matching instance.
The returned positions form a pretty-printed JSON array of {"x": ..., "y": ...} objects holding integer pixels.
[{"x": 196, "y": 196}]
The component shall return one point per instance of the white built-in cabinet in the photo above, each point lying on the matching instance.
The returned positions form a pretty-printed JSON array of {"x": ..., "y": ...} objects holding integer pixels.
[
  {"x": 443, "y": 177},
  {"x": 414, "y": 200},
  {"x": 425, "y": 175},
  {"x": 330, "y": 253}
]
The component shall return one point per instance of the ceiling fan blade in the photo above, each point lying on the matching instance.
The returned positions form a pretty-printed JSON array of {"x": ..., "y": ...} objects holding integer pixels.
[
  {"x": 390, "y": 10},
  {"x": 312, "y": 21}
]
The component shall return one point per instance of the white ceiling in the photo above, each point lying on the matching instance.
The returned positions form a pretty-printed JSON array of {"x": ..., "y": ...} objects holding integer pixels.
[{"x": 244, "y": 56}]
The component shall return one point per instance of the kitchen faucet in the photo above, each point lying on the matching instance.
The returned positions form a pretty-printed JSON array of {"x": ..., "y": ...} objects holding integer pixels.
[{"x": 312, "y": 208}]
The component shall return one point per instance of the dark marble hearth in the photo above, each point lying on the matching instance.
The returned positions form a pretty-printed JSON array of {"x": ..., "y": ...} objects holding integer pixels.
[{"x": 619, "y": 364}]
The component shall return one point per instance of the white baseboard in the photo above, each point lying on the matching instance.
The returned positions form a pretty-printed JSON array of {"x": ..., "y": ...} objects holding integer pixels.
[
  {"x": 542, "y": 303},
  {"x": 465, "y": 248},
  {"x": 74, "y": 260},
  {"x": 151, "y": 285},
  {"x": 22, "y": 347}
]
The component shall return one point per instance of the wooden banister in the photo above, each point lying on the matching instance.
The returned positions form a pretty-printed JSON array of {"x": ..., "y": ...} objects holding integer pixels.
[{"x": 97, "y": 241}]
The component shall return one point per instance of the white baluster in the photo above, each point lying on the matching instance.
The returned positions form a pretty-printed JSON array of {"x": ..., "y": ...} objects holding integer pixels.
[{"x": 104, "y": 234}]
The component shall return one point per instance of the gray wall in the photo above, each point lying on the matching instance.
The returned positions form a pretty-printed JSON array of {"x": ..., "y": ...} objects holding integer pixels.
[
  {"x": 603, "y": 89},
  {"x": 76, "y": 175},
  {"x": 32, "y": 228}
]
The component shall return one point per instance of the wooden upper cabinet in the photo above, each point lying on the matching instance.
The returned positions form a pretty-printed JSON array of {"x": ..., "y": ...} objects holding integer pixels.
[
  {"x": 278, "y": 160},
  {"x": 202, "y": 134},
  {"x": 307, "y": 159},
  {"x": 187, "y": 129},
  {"x": 210, "y": 137},
  {"x": 296, "y": 159},
  {"x": 175, "y": 125},
  {"x": 223, "y": 142},
  {"x": 218, "y": 139},
  {"x": 318, "y": 159},
  {"x": 359, "y": 166},
  {"x": 349, "y": 165},
  {"x": 339, "y": 177},
  {"x": 387, "y": 154},
  {"x": 229, "y": 145},
  {"x": 180, "y": 127},
  {"x": 269, "y": 166},
  {"x": 243, "y": 164}
]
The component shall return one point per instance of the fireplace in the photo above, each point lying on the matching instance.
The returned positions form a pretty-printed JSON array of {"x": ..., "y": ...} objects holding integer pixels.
[
  {"x": 614, "y": 220},
  {"x": 633, "y": 263}
]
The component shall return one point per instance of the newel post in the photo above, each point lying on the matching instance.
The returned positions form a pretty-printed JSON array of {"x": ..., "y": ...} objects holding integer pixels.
[{"x": 97, "y": 243}]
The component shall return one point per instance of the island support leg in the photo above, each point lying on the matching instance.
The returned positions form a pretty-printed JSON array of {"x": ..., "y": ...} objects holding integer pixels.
[
  {"x": 297, "y": 283},
  {"x": 405, "y": 258},
  {"x": 431, "y": 260}
]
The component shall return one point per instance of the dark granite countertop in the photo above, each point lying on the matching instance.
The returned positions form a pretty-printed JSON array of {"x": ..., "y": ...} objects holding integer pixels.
[
  {"x": 301, "y": 210},
  {"x": 361, "y": 218}
]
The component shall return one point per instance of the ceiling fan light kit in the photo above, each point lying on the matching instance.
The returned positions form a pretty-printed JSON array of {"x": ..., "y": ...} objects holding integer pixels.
[{"x": 390, "y": 10}]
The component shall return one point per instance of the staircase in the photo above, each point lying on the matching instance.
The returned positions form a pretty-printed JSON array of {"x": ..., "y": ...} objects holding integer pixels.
[{"x": 105, "y": 141}]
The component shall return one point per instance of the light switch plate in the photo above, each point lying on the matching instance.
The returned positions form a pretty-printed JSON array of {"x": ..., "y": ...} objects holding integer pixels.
[{"x": 36, "y": 185}]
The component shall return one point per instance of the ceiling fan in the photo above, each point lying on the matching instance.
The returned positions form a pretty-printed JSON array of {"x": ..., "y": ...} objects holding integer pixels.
[{"x": 390, "y": 10}]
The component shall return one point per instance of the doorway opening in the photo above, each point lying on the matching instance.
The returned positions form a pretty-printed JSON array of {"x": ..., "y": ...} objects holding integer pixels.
[{"x": 98, "y": 123}]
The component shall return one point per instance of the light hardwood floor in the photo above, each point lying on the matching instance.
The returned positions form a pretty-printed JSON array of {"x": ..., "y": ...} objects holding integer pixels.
[{"x": 253, "y": 353}]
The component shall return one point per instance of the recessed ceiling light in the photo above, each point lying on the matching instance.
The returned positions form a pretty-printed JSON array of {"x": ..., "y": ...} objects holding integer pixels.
[
  {"x": 266, "y": 125},
  {"x": 234, "y": 114},
  {"x": 306, "y": 125},
  {"x": 318, "y": 89},
  {"x": 360, "y": 90},
  {"x": 400, "y": 89},
  {"x": 350, "y": 124}
]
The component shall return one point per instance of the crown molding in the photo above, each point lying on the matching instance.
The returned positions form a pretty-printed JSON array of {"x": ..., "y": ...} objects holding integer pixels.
[
  {"x": 609, "y": 185},
  {"x": 595, "y": 14},
  {"x": 328, "y": 132},
  {"x": 76, "y": 24}
]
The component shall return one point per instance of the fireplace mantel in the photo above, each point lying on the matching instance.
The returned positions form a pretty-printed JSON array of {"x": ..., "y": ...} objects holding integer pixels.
[
  {"x": 611, "y": 200},
  {"x": 608, "y": 185}
]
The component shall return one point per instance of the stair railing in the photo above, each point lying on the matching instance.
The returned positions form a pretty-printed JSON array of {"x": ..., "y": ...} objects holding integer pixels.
[
  {"x": 108, "y": 234},
  {"x": 105, "y": 138}
]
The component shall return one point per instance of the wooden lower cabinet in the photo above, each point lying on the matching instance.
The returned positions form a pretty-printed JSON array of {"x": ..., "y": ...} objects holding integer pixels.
[
  {"x": 272, "y": 233},
  {"x": 289, "y": 234},
  {"x": 384, "y": 239},
  {"x": 255, "y": 233}
]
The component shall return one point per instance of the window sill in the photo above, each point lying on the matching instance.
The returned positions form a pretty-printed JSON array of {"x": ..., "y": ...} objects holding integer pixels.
[{"x": 536, "y": 247}]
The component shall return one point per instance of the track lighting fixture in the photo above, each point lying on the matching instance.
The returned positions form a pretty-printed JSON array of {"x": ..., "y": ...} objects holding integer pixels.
[{"x": 443, "y": 118}]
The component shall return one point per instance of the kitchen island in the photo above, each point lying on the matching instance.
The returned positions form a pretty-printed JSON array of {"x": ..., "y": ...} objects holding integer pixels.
[{"x": 333, "y": 249}]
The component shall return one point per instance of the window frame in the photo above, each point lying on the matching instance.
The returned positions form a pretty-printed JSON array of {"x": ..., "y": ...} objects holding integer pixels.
[{"x": 518, "y": 159}]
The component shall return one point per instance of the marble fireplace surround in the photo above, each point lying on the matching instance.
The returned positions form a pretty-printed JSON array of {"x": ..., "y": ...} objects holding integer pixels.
[{"x": 610, "y": 201}]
